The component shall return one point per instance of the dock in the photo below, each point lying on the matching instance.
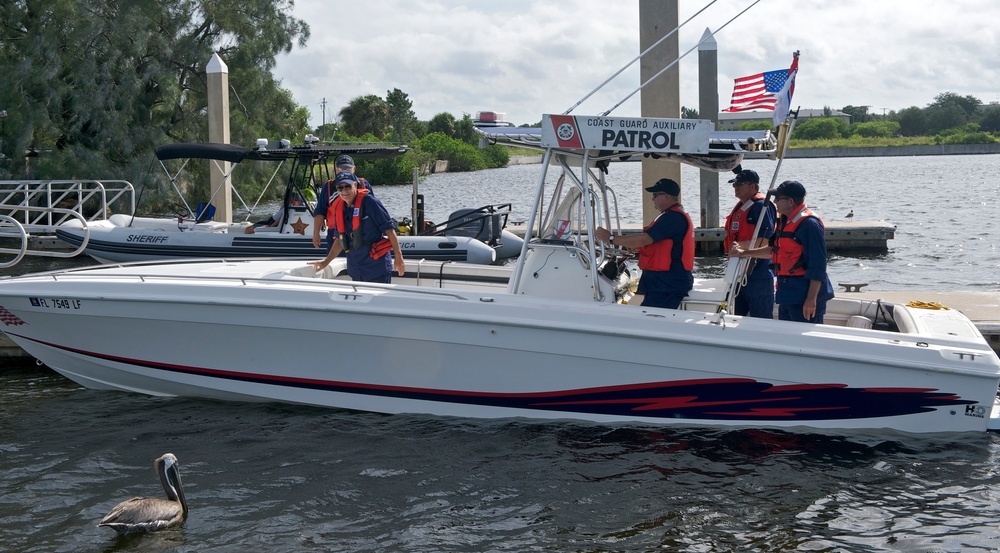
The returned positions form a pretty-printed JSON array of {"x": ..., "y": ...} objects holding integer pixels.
[{"x": 841, "y": 237}]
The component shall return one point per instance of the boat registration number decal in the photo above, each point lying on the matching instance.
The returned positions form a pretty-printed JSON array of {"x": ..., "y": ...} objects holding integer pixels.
[{"x": 55, "y": 303}]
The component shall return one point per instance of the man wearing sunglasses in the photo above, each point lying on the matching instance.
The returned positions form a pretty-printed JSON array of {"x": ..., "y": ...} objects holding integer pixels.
[
  {"x": 665, "y": 246},
  {"x": 798, "y": 254},
  {"x": 328, "y": 193},
  {"x": 362, "y": 227}
]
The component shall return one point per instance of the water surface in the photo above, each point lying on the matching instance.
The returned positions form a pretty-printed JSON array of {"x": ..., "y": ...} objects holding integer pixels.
[{"x": 263, "y": 477}]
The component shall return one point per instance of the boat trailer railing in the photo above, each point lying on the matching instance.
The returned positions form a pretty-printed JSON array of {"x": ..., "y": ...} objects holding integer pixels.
[{"x": 11, "y": 228}]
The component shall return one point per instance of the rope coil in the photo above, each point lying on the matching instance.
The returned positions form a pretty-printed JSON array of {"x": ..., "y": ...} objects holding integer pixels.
[{"x": 927, "y": 305}]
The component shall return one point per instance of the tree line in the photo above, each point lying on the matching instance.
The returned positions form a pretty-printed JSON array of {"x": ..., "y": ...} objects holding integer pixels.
[
  {"x": 370, "y": 118},
  {"x": 949, "y": 119},
  {"x": 91, "y": 87}
]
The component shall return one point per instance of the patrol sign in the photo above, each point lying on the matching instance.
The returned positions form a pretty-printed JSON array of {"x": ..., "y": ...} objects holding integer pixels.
[{"x": 638, "y": 134}]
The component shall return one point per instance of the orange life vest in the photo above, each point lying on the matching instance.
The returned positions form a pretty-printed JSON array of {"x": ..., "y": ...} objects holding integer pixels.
[
  {"x": 737, "y": 229},
  {"x": 335, "y": 220},
  {"x": 658, "y": 256},
  {"x": 788, "y": 253}
]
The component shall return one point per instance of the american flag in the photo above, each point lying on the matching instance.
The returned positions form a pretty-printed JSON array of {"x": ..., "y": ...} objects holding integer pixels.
[
  {"x": 760, "y": 91},
  {"x": 757, "y": 91}
]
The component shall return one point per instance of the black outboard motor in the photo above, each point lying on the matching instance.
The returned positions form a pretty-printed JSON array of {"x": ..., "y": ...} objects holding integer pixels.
[{"x": 475, "y": 223}]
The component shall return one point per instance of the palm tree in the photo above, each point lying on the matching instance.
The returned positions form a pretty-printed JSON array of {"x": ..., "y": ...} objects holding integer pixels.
[{"x": 365, "y": 114}]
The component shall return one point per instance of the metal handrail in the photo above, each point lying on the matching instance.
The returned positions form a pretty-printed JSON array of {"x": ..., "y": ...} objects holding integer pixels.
[
  {"x": 268, "y": 280},
  {"x": 22, "y": 200},
  {"x": 24, "y": 233}
]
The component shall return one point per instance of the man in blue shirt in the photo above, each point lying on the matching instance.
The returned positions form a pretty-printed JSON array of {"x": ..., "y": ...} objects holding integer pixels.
[
  {"x": 665, "y": 246},
  {"x": 756, "y": 295},
  {"x": 361, "y": 226},
  {"x": 798, "y": 252},
  {"x": 327, "y": 194}
]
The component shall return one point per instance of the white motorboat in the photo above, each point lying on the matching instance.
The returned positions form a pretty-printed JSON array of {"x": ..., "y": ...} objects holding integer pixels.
[
  {"x": 552, "y": 337},
  {"x": 472, "y": 235}
]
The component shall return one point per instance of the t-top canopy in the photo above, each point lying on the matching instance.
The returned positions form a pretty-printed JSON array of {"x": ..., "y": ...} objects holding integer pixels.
[
  {"x": 235, "y": 154},
  {"x": 689, "y": 141}
]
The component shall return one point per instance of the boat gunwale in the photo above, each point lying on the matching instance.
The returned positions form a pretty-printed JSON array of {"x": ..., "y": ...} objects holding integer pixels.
[{"x": 311, "y": 285}]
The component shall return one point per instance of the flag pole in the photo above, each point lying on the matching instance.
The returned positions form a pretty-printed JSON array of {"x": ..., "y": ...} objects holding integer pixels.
[{"x": 782, "y": 108}]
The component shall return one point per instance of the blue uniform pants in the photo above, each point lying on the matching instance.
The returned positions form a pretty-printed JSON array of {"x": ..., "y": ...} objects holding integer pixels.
[
  {"x": 756, "y": 299},
  {"x": 790, "y": 312}
]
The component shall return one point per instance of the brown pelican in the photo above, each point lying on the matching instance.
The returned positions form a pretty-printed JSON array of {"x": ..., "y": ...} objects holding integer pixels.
[{"x": 141, "y": 514}]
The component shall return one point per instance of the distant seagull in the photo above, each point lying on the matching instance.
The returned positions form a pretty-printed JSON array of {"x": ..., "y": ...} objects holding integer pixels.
[
  {"x": 850, "y": 215},
  {"x": 141, "y": 514}
]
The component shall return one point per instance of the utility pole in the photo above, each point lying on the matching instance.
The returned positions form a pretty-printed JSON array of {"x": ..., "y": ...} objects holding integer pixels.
[{"x": 322, "y": 134}]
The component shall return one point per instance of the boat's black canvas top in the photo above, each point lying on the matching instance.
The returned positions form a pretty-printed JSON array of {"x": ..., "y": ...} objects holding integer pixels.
[{"x": 235, "y": 154}]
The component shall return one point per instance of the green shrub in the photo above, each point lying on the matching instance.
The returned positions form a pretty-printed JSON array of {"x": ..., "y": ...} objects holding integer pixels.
[
  {"x": 756, "y": 126},
  {"x": 873, "y": 129},
  {"x": 980, "y": 137},
  {"x": 496, "y": 155},
  {"x": 461, "y": 155},
  {"x": 817, "y": 128}
]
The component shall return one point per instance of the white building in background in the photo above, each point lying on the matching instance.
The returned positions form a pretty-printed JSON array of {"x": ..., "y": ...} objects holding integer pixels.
[{"x": 731, "y": 121}]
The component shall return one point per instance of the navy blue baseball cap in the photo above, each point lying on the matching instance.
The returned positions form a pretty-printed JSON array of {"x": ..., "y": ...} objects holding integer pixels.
[
  {"x": 665, "y": 185},
  {"x": 345, "y": 161},
  {"x": 746, "y": 175},
  {"x": 345, "y": 176},
  {"x": 791, "y": 188}
]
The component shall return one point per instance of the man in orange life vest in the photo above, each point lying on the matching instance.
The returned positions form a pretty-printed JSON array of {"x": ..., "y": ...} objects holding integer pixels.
[
  {"x": 666, "y": 249},
  {"x": 756, "y": 296},
  {"x": 362, "y": 227},
  {"x": 798, "y": 252},
  {"x": 327, "y": 194}
]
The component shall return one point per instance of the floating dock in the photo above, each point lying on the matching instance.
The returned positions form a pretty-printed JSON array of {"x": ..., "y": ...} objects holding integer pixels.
[
  {"x": 841, "y": 237},
  {"x": 859, "y": 237}
]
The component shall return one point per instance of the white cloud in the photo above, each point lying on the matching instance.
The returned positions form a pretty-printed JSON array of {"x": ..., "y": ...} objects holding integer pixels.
[{"x": 528, "y": 57}]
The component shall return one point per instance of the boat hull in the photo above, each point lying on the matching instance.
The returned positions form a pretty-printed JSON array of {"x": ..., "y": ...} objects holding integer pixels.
[{"x": 208, "y": 330}]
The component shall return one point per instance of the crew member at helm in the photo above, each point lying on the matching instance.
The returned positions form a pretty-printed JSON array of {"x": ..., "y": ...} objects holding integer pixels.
[
  {"x": 665, "y": 246},
  {"x": 798, "y": 254},
  {"x": 362, "y": 227}
]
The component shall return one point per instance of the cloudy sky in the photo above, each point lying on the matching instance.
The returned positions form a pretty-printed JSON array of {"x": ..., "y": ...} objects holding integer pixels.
[{"x": 529, "y": 57}]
